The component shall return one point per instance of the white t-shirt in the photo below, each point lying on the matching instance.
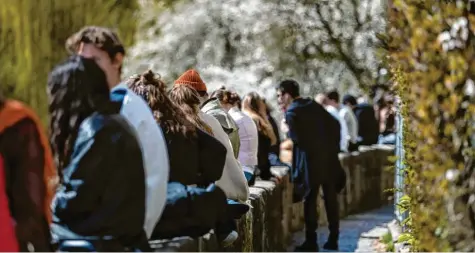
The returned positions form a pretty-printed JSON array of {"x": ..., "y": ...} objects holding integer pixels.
[
  {"x": 343, "y": 128},
  {"x": 154, "y": 153},
  {"x": 351, "y": 122},
  {"x": 248, "y": 137}
]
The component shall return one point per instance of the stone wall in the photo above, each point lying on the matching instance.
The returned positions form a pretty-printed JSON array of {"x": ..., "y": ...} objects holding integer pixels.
[{"x": 273, "y": 218}]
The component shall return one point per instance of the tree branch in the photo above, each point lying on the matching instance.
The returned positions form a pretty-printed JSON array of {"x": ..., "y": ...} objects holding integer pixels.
[{"x": 349, "y": 61}]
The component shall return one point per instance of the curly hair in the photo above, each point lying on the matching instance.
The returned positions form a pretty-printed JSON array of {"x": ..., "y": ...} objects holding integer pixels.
[
  {"x": 226, "y": 97},
  {"x": 254, "y": 106},
  {"x": 188, "y": 100},
  {"x": 170, "y": 117},
  {"x": 76, "y": 88}
]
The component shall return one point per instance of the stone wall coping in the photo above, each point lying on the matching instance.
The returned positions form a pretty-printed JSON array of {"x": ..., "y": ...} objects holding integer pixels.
[{"x": 273, "y": 217}]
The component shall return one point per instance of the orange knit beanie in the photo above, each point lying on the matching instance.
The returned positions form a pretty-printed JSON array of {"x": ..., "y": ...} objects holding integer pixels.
[{"x": 193, "y": 79}]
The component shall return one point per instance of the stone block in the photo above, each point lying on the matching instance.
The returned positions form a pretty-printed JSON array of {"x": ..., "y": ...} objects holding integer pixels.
[{"x": 258, "y": 222}]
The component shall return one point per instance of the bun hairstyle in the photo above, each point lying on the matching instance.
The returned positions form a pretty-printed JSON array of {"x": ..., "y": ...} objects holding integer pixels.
[
  {"x": 153, "y": 90},
  {"x": 226, "y": 97}
]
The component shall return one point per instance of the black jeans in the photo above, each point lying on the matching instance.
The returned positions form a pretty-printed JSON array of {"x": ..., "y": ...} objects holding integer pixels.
[
  {"x": 311, "y": 214},
  {"x": 224, "y": 228}
]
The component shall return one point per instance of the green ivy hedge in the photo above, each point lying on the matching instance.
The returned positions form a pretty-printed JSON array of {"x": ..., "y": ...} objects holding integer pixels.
[{"x": 432, "y": 51}]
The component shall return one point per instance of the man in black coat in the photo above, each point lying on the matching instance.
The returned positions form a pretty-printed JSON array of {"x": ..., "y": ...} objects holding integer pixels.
[{"x": 316, "y": 146}]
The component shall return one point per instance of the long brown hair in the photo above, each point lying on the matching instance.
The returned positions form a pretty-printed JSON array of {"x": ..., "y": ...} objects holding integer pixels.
[
  {"x": 254, "y": 106},
  {"x": 188, "y": 100},
  {"x": 152, "y": 89}
]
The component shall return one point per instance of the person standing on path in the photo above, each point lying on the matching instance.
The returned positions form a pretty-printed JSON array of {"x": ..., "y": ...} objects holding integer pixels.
[
  {"x": 311, "y": 130},
  {"x": 104, "y": 46}
]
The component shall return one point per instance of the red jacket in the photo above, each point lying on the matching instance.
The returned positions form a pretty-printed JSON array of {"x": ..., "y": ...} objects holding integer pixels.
[{"x": 7, "y": 233}]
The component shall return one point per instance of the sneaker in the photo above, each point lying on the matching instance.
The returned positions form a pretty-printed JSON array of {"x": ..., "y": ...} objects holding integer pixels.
[
  {"x": 307, "y": 247},
  {"x": 230, "y": 239}
]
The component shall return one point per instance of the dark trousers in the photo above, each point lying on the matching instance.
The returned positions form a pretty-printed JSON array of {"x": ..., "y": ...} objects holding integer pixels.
[{"x": 311, "y": 214}]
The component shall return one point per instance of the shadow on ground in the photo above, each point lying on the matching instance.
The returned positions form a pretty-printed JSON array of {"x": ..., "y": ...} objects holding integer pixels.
[{"x": 357, "y": 232}]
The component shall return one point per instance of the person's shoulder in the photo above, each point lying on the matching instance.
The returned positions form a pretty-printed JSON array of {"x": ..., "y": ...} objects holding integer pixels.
[
  {"x": 210, "y": 120},
  {"x": 99, "y": 124}
]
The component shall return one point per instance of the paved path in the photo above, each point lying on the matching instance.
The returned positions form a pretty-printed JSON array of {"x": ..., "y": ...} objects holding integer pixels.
[{"x": 358, "y": 233}]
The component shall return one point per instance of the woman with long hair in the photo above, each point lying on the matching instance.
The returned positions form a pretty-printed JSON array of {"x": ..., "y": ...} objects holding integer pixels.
[
  {"x": 101, "y": 160},
  {"x": 232, "y": 182},
  {"x": 254, "y": 106},
  {"x": 247, "y": 131},
  {"x": 203, "y": 165}
]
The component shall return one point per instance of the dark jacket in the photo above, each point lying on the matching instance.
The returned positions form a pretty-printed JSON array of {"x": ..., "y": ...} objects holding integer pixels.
[
  {"x": 308, "y": 128},
  {"x": 197, "y": 160},
  {"x": 274, "y": 154},
  {"x": 263, "y": 151},
  {"x": 103, "y": 189},
  {"x": 190, "y": 211},
  {"x": 23, "y": 155},
  {"x": 368, "y": 128}
]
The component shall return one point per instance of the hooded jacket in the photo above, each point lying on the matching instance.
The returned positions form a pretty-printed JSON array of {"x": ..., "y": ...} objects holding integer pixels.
[{"x": 213, "y": 107}]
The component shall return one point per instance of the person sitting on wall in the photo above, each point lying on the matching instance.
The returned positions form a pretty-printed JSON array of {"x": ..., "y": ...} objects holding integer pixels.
[
  {"x": 194, "y": 204},
  {"x": 101, "y": 197}
]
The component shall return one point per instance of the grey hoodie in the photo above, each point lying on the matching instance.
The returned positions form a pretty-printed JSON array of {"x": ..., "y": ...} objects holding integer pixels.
[{"x": 213, "y": 107}]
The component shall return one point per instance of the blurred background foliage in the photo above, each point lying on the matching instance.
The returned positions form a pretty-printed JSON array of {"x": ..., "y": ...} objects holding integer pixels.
[
  {"x": 32, "y": 36},
  {"x": 245, "y": 44},
  {"x": 432, "y": 45},
  {"x": 252, "y": 44}
]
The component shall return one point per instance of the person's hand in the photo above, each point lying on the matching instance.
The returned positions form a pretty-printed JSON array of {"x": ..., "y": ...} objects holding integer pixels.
[
  {"x": 283, "y": 126},
  {"x": 276, "y": 179}
]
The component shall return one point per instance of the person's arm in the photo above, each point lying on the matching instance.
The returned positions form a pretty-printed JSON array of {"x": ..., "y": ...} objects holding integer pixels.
[
  {"x": 25, "y": 154},
  {"x": 291, "y": 121}
]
